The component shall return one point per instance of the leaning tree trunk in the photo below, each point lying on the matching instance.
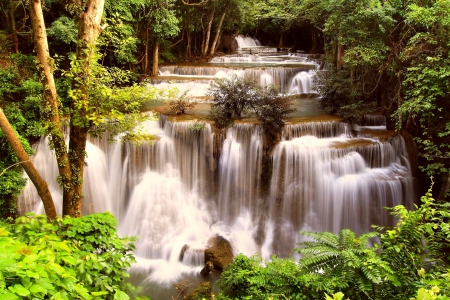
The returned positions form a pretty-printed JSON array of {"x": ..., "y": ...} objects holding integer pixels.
[
  {"x": 216, "y": 38},
  {"x": 33, "y": 174},
  {"x": 50, "y": 99},
  {"x": 88, "y": 31},
  {"x": 208, "y": 33}
]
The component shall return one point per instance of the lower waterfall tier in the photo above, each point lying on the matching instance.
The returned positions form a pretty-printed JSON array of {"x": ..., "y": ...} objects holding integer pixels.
[{"x": 179, "y": 191}]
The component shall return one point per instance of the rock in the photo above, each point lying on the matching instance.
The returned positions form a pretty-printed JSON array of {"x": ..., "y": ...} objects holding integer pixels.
[
  {"x": 203, "y": 291},
  {"x": 227, "y": 43},
  {"x": 183, "y": 250},
  {"x": 208, "y": 267},
  {"x": 219, "y": 252}
]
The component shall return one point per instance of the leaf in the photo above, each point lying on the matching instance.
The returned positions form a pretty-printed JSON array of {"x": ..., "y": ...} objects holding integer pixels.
[
  {"x": 36, "y": 289},
  {"x": 119, "y": 295},
  {"x": 21, "y": 290},
  {"x": 9, "y": 296}
]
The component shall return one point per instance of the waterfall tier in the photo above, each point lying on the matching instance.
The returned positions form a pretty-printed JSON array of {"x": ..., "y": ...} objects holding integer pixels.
[{"x": 177, "y": 192}]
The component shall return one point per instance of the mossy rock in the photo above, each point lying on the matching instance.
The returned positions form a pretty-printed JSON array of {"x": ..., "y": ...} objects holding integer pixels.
[{"x": 203, "y": 291}]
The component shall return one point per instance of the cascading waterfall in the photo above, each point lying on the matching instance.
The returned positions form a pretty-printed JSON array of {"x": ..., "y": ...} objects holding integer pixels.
[
  {"x": 190, "y": 185},
  {"x": 245, "y": 41},
  {"x": 175, "y": 195},
  {"x": 290, "y": 73}
]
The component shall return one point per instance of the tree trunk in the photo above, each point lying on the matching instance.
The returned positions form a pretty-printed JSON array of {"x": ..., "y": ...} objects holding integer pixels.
[
  {"x": 340, "y": 56},
  {"x": 15, "y": 37},
  {"x": 281, "y": 41},
  {"x": 155, "y": 59},
  {"x": 189, "y": 41},
  {"x": 216, "y": 38},
  {"x": 208, "y": 32},
  {"x": 50, "y": 104},
  {"x": 88, "y": 31},
  {"x": 145, "y": 60},
  {"x": 314, "y": 48},
  {"x": 33, "y": 174}
]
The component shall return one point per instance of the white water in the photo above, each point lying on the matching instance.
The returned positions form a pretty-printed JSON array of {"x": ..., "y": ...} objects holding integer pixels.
[
  {"x": 246, "y": 41},
  {"x": 290, "y": 74},
  {"x": 178, "y": 192},
  {"x": 167, "y": 193}
]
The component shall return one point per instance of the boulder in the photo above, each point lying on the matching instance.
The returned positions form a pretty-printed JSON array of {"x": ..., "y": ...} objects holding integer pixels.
[
  {"x": 227, "y": 43},
  {"x": 219, "y": 252}
]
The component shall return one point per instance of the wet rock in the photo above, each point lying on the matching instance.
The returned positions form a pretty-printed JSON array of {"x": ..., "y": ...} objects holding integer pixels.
[
  {"x": 219, "y": 252},
  {"x": 227, "y": 43},
  {"x": 208, "y": 268},
  {"x": 183, "y": 251}
]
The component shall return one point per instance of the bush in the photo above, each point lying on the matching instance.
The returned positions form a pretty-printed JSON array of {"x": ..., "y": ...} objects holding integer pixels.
[
  {"x": 179, "y": 104},
  {"x": 410, "y": 262},
  {"x": 239, "y": 95},
  {"x": 70, "y": 258}
]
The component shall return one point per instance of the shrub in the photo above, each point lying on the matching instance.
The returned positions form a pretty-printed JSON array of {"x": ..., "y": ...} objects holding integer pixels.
[
  {"x": 239, "y": 95},
  {"x": 70, "y": 258}
]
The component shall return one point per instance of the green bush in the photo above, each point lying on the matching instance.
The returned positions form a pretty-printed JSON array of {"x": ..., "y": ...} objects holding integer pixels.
[
  {"x": 232, "y": 98},
  {"x": 410, "y": 262},
  {"x": 70, "y": 258}
]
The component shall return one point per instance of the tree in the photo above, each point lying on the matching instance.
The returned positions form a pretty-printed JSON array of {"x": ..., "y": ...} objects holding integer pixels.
[
  {"x": 160, "y": 23},
  {"x": 24, "y": 159},
  {"x": 94, "y": 99}
]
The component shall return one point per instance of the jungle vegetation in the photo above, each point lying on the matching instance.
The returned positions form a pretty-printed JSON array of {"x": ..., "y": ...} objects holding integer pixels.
[{"x": 390, "y": 57}]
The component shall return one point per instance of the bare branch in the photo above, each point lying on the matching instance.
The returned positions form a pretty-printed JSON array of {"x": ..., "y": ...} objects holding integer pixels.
[{"x": 20, "y": 162}]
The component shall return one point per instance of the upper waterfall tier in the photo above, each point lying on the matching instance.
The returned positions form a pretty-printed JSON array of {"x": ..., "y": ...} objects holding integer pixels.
[
  {"x": 290, "y": 73},
  {"x": 295, "y": 79}
]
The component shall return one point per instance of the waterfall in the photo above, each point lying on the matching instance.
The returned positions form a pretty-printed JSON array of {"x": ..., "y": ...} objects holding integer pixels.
[
  {"x": 197, "y": 80},
  {"x": 190, "y": 185},
  {"x": 175, "y": 195},
  {"x": 245, "y": 41}
]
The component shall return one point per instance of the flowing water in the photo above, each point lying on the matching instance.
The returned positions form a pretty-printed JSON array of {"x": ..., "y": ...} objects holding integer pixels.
[{"x": 182, "y": 189}]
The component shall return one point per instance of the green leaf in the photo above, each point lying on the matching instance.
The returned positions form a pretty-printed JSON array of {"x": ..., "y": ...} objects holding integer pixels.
[
  {"x": 21, "y": 290},
  {"x": 119, "y": 295},
  {"x": 36, "y": 289},
  {"x": 8, "y": 296}
]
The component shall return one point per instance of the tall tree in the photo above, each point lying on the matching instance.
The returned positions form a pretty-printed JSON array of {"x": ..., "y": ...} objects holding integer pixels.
[{"x": 93, "y": 99}]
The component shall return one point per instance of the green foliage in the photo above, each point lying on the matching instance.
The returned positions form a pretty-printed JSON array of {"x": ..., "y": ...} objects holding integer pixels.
[
  {"x": 70, "y": 258},
  {"x": 426, "y": 85},
  {"x": 239, "y": 95},
  {"x": 111, "y": 106},
  {"x": 250, "y": 278},
  {"x": 410, "y": 262},
  {"x": 345, "y": 263},
  {"x": 20, "y": 94},
  {"x": 197, "y": 125},
  {"x": 64, "y": 31}
]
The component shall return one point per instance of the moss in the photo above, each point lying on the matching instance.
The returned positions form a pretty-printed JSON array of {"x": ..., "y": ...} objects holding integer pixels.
[{"x": 203, "y": 291}]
